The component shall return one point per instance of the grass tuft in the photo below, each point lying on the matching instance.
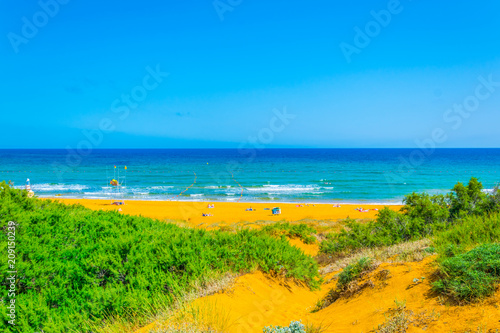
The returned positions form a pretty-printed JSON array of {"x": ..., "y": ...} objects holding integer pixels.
[
  {"x": 472, "y": 275},
  {"x": 301, "y": 231}
]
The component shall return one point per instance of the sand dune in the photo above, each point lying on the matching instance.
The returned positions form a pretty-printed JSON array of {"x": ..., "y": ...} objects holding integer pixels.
[{"x": 256, "y": 300}]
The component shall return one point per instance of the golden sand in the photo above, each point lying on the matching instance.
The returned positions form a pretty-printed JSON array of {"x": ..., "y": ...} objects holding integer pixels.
[
  {"x": 256, "y": 300},
  {"x": 231, "y": 212}
]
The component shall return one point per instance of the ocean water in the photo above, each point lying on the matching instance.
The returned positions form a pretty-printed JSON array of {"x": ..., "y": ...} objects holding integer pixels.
[{"x": 280, "y": 175}]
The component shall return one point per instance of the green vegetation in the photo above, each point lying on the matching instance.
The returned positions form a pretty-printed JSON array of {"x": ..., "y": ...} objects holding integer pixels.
[
  {"x": 77, "y": 267},
  {"x": 353, "y": 272},
  {"x": 397, "y": 319},
  {"x": 472, "y": 275},
  {"x": 344, "y": 287},
  {"x": 464, "y": 224},
  {"x": 468, "y": 233},
  {"x": 294, "y": 327},
  {"x": 469, "y": 258},
  {"x": 469, "y": 250},
  {"x": 389, "y": 228},
  {"x": 301, "y": 231},
  {"x": 422, "y": 215}
]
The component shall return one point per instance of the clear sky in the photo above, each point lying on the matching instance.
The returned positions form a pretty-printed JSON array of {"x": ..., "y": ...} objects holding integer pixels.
[{"x": 348, "y": 73}]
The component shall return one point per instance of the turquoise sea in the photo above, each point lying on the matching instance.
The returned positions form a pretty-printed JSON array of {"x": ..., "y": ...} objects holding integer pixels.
[{"x": 281, "y": 175}]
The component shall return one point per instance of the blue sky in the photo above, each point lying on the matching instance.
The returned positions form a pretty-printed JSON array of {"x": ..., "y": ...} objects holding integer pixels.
[{"x": 233, "y": 64}]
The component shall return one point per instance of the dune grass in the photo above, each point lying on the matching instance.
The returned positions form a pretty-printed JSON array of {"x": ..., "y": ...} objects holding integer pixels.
[
  {"x": 469, "y": 258},
  {"x": 471, "y": 275},
  {"x": 353, "y": 272},
  {"x": 300, "y": 231},
  {"x": 78, "y": 268}
]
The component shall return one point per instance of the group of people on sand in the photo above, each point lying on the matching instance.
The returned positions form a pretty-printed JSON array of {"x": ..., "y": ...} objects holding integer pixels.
[
  {"x": 250, "y": 209},
  {"x": 209, "y": 206},
  {"x": 360, "y": 209}
]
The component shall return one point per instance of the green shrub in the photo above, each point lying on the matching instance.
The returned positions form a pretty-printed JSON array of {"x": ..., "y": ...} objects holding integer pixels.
[
  {"x": 471, "y": 275},
  {"x": 469, "y": 200},
  {"x": 430, "y": 208},
  {"x": 295, "y": 327},
  {"x": 468, "y": 233},
  {"x": 469, "y": 258},
  {"x": 492, "y": 202},
  {"x": 353, "y": 272},
  {"x": 77, "y": 267},
  {"x": 421, "y": 216},
  {"x": 301, "y": 231},
  {"x": 389, "y": 228}
]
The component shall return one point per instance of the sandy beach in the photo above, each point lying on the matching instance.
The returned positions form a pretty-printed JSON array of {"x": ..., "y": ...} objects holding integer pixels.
[{"x": 231, "y": 212}]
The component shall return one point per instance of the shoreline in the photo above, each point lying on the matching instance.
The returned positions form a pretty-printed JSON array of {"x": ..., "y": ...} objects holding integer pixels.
[
  {"x": 232, "y": 213},
  {"x": 326, "y": 202}
]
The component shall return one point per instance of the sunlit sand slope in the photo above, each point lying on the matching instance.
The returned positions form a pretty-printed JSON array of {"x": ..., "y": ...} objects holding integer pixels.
[{"x": 256, "y": 300}]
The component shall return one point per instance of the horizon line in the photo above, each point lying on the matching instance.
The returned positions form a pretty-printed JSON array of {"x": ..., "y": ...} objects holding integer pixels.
[{"x": 270, "y": 148}]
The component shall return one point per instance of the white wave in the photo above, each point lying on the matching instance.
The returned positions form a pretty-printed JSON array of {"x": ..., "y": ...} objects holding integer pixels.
[
  {"x": 163, "y": 187},
  {"x": 97, "y": 193},
  {"x": 56, "y": 187},
  {"x": 280, "y": 189}
]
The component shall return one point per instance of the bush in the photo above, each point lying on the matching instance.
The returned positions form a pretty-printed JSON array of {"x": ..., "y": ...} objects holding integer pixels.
[
  {"x": 389, "y": 228},
  {"x": 295, "y": 327},
  {"x": 470, "y": 200},
  {"x": 77, "y": 267},
  {"x": 353, "y": 272},
  {"x": 301, "y": 231},
  {"x": 468, "y": 233},
  {"x": 467, "y": 271},
  {"x": 471, "y": 275},
  {"x": 421, "y": 216},
  {"x": 431, "y": 209}
]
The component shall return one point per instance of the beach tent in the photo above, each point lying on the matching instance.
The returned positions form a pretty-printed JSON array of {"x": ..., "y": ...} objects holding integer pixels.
[{"x": 276, "y": 211}]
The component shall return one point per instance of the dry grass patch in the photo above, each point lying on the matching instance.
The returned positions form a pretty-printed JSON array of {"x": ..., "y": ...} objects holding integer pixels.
[
  {"x": 404, "y": 252},
  {"x": 188, "y": 319},
  {"x": 397, "y": 319}
]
